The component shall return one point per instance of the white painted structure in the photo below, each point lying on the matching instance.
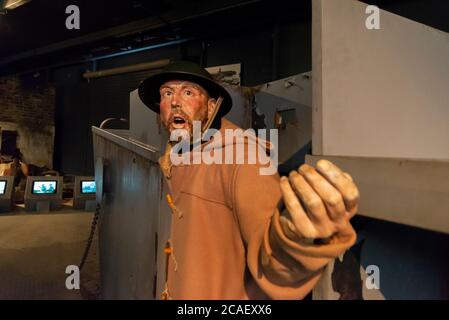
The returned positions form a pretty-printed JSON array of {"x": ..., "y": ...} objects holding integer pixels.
[
  {"x": 381, "y": 113},
  {"x": 378, "y": 93},
  {"x": 381, "y": 99}
]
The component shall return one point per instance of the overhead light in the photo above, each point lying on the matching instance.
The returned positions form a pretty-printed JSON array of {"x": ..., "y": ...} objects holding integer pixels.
[{"x": 12, "y": 4}]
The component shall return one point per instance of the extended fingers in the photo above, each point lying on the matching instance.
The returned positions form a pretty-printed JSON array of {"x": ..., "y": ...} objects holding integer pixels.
[
  {"x": 299, "y": 217},
  {"x": 312, "y": 201},
  {"x": 310, "y": 217},
  {"x": 343, "y": 182},
  {"x": 330, "y": 196}
]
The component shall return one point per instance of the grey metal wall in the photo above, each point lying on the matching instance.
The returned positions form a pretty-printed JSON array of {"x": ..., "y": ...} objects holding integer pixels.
[{"x": 128, "y": 227}]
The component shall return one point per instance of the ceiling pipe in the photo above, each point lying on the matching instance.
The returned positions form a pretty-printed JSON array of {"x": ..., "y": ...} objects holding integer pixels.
[
  {"x": 95, "y": 59},
  {"x": 155, "y": 46},
  {"x": 127, "y": 69}
]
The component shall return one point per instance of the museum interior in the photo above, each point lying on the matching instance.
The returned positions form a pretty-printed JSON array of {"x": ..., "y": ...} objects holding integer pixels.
[{"x": 81, "y": 191}]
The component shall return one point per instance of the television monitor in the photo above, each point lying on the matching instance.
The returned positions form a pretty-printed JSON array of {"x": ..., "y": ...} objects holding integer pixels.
[
  {"x": 84, "y": 193},
  {"x": 44, "y": 187},
  {"x": 2, "y": 187},
  {"x": 88, "y": 187},
  {"x": 40, "y": 191}
]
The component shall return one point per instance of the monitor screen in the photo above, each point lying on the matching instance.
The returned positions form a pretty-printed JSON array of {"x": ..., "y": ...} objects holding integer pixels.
[
  {"x": 44, "y": 187},
  {"x": 88, "y": 186},
  {"x": 2, "y": 187}
]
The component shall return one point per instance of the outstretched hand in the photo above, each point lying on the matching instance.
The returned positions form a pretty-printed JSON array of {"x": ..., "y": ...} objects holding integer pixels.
[{"x": 320, "y": 201}]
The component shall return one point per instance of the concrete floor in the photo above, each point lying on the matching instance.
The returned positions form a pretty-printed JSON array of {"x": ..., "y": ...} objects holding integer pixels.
[{"x": 36, "y": 248}]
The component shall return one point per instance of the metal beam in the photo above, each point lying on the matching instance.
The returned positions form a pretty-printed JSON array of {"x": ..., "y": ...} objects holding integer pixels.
[{"x": 127, "y": 69}]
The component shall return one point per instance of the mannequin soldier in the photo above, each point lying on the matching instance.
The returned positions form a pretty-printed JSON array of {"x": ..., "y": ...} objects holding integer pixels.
[{"x": 237, "y": 234}]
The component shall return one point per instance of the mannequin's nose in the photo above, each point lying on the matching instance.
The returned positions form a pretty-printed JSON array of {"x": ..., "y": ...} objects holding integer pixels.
[{"x": 175, "y": 105}]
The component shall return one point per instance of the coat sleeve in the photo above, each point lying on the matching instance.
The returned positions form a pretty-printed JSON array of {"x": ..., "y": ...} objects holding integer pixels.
[{"x": 284, "y": 267}]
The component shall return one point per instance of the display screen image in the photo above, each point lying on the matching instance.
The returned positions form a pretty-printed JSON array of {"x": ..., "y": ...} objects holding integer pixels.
[
  {"x": 44, "y": 187},
  {"x": 2, "y": 187},
  {"x": 88, "y": 186}
]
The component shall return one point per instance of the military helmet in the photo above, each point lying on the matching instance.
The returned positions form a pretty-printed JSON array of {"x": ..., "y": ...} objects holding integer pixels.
[{"x": 183, "y": 70}]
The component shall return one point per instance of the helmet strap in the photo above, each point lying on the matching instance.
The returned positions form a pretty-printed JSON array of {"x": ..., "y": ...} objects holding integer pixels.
[{"x": 212, "y": 118}]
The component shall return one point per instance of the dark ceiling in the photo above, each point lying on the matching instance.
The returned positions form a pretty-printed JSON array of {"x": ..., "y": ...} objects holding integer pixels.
[
  {"x": 42, "y": 22},
  {"x": 35, "y": 33}
]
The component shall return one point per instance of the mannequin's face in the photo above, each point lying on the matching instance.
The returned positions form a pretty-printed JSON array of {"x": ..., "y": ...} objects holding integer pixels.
[{"x": 183, "y": 102}]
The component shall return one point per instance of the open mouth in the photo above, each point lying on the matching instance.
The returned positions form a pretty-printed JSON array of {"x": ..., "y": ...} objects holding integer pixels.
[{"x": 178, "y": 121}]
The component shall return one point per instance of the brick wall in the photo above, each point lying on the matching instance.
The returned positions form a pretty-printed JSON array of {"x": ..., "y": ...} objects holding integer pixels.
[
  {"x": 29, "y": 110},
  {"x": 32, "y": 105}
]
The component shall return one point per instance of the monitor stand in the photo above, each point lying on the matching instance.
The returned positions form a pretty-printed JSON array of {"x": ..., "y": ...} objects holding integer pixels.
[
  {"x": 5, "y": 205},
  {"x": 90, "y": 205},
  {"x": 43, "y": 206}
]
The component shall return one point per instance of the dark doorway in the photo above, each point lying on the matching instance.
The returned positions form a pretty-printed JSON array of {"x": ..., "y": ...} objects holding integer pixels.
[{"x": 9, "y": 142}]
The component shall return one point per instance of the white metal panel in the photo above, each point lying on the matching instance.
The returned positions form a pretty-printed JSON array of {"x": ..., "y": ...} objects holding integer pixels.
[
  {"x": 378, "y": 93},
  {"x": 411, "y": 192}
]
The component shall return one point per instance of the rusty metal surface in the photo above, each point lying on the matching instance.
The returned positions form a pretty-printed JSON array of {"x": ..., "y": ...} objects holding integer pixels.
[
  {"x": 129, "y": 221},
  {"x": 122, "y": 139}
]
